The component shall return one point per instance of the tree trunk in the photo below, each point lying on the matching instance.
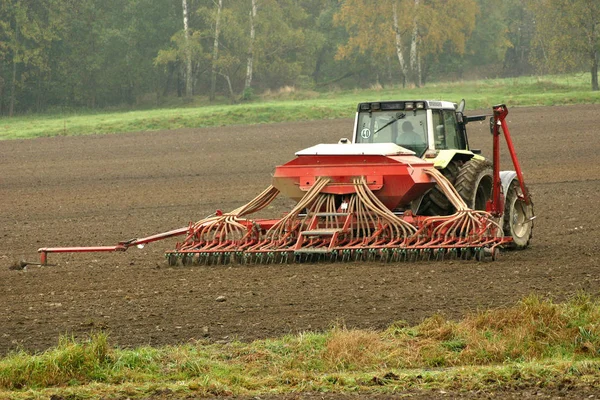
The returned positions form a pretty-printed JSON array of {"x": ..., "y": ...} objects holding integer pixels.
[
  {"x": 231, "y": 94},
  {"x": 250, "y": 64},
  {"x": 1, "y": 95},
  {"x": 399, "y": 49},
  {"x": 188, "y": 52},
  {"x": 215, "y": 55},
  {"x": 415, "y": 66},
  {"x": 11, "y": 107},
  {"x": 318, "y": 63},
  {"x": 595, "y": 71}
]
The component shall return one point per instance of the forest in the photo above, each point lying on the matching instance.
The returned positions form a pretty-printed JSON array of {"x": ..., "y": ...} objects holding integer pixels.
[{"x": 63, "y": 55}]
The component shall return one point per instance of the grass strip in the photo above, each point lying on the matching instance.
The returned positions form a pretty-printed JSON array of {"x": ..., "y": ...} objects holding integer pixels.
[
  {"x": 535, "y": 343},
  {"x": 289, "y": 104}
]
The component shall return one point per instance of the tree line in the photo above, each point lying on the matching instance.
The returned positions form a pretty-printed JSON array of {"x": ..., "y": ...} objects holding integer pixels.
[{"x": 70, "y": 54}]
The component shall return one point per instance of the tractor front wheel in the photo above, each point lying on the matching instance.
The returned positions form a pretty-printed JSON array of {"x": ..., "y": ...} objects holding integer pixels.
[
  {"x": 474, "y": 183},
  {"x": 518, "y": 217}
]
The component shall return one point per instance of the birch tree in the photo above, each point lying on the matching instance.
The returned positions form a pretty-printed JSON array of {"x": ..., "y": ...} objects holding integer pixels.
[
  {"x": 188, "y": 61},
  {"x": 398, "y": 42},
  {"x": 414, "y": 27},
  {"x": 250, "y": 63},
  {"x": 215, "y": 54},
  {"x": 415, "y": 62}
]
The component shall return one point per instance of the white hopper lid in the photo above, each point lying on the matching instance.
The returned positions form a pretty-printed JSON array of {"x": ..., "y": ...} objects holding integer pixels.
[{"x": 370, "y": 149}]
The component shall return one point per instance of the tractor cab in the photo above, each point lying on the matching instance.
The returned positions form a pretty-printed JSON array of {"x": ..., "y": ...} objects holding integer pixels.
[{"x": 425, "y": 127}]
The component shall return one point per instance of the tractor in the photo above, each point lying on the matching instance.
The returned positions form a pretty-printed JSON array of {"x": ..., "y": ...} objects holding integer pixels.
[
  {"x": 406, "y": 187},
  {"x": 436, "y": 131}
]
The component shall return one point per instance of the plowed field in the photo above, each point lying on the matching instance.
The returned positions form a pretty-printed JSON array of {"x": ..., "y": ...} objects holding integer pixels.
[{"x": 99, "y": 190}]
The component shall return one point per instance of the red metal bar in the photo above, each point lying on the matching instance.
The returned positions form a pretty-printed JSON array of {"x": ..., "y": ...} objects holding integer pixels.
[
  {"x": 496, "y": 205},
  {"x": 503, "y": 111},
  {"x": 122, "y": 246}
]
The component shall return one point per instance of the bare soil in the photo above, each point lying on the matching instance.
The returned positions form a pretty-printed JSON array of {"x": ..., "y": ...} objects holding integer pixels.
[{"x": 99, "y": 190}]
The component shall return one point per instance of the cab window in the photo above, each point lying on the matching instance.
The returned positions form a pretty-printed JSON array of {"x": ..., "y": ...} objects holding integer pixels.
[{"x": 446, "y": 132}]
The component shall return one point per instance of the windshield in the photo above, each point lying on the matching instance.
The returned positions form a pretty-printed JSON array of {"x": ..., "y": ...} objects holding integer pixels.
[{"x": 405, "y": 128}]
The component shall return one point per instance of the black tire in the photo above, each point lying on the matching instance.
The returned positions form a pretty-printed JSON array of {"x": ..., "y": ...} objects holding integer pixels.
[
  {"x": 435, "y": 201},
  {"x": 474, "y": 183},
  {"x": 518, "y": 222}
]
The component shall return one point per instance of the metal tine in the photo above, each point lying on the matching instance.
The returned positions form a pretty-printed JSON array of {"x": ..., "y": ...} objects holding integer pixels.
[
  {"x": 416, "y": 254},
  {"x": 387, "y": 255},
  {"x": 406, "y": 255},
  {"x": 465, "y": 253},
  {"x": 172, "y": 259},
  {"x": 439, "y": 254},
  {"x": 370, "y": 255},
  {"x": 453, "y": 253}
]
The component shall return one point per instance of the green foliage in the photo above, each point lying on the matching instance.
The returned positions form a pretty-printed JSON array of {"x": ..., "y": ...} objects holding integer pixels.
[
  {"x": 90, "y": 54},
  {"x": 566, "y": 36},
  {"x": 248, "y": 94},
  {"x": 70, "y": 363}
]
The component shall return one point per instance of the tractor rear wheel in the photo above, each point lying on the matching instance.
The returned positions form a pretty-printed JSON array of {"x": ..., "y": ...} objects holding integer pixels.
[
  {"x": 518, "y": 222},
  {"x": 474, "y": 183},
  {"x": 435, "y": 201}
]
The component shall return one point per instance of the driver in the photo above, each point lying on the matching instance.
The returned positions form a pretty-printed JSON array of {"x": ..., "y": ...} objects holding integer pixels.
[{"x": 409, "y": 136}]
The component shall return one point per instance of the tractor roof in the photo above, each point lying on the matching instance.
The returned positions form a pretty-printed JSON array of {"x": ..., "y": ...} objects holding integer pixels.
[{"x": 406, "y": 105}]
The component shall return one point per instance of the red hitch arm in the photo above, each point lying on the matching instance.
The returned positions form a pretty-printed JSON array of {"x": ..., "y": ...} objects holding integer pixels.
[
  {"x": 497, "y": 201},
  {"x": 122, "y": 246}
]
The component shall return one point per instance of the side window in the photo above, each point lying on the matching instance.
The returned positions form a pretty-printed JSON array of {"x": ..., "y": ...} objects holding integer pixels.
[
  {"x": 439, "y": 132},
  {"x": 453, "y": 138}
]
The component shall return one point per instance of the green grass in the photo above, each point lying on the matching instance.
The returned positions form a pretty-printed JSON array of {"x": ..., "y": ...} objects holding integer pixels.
[
  {"x": 289, "y": 104},
  {"x": 535, "y": 343}
]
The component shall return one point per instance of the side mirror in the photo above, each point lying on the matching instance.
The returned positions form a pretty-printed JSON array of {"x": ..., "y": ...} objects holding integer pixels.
[{"x": 461, "y": 107}]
